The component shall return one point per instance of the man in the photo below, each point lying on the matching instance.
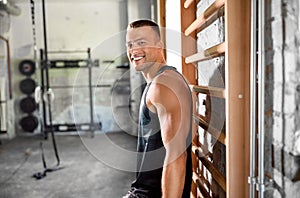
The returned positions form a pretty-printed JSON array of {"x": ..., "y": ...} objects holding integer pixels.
[{"x": 164, "y": 136}]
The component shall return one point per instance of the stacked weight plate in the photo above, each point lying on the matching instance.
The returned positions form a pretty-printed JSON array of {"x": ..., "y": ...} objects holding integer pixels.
[{"x": 28, "y": 122}]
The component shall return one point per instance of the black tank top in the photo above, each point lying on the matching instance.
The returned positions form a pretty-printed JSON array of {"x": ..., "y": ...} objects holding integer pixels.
[{"x": 151, "y": 151}]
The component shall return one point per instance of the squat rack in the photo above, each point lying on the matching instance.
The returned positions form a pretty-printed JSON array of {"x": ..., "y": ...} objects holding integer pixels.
[{"x": 46, "y": 89}]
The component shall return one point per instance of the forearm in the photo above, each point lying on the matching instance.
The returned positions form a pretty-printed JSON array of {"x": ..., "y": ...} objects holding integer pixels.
[{"x": 173, "y": 178}]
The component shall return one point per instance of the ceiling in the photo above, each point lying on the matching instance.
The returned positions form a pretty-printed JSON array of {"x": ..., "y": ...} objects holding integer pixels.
[{"x": 65, "y": 1}]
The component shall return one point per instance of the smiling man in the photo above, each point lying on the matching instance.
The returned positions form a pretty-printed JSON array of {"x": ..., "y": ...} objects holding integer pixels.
[{"x": 165, "y": 118}]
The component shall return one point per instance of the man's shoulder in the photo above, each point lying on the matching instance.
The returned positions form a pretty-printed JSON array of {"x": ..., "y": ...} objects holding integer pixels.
[{"x": 170, "y": 78}]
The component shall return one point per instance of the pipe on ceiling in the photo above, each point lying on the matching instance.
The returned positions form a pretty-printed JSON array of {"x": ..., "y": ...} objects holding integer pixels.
[{"x": 10, "y": 8}]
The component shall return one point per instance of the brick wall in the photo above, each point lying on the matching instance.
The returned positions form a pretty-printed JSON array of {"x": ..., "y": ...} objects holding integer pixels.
[{"x": 282, "y": 95}]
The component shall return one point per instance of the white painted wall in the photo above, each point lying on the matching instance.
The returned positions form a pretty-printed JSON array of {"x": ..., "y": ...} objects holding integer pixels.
[
  {"x": 173, "y": 34},
  {"x": 71, "y": 25}
]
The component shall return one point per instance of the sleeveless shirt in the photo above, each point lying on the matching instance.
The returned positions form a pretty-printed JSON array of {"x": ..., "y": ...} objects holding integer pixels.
[{"x": 151, "y": 151}]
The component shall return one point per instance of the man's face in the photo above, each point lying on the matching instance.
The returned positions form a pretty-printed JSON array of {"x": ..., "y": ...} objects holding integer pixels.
[{"x": 143, "y": 47}]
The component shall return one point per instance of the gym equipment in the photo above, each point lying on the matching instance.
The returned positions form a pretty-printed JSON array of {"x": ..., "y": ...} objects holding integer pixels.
[
  {"x": 27, "y": 67},
  {"x": 29, "y": 123},
  {"x": 28, "y": 104},
  {"x": 40, "y": 175},
  {"x": 47, "y": 91},
  {"x": 27, "y": 86}
]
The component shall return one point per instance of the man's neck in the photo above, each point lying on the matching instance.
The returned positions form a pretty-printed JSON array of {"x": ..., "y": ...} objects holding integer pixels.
[{"x": 151, "y": 73}]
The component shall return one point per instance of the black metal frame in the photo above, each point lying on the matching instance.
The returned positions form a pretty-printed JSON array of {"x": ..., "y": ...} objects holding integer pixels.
[
  {"x": 2, "y": 102},
  {"x": 45, "y": 85}
]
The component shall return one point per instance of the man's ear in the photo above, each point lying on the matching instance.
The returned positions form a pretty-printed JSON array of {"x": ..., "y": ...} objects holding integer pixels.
[{"x": 161, "y": 44}]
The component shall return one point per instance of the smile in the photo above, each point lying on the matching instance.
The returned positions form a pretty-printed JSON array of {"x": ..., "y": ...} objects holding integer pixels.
[{"x": 137, "y": 58}]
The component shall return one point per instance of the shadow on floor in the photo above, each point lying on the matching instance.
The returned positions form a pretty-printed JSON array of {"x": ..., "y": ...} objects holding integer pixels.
[{"x": 83, "y": 175}]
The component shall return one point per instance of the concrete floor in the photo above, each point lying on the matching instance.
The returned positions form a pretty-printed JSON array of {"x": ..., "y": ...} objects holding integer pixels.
[{"x": 83, "y": 174}]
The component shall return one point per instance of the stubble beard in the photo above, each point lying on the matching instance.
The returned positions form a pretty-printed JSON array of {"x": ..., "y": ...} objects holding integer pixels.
[{"x": 144, "y": 66}]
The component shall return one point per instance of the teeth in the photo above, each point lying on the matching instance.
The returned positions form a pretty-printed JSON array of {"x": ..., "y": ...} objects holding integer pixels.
[{"x": 137, "y": 58}]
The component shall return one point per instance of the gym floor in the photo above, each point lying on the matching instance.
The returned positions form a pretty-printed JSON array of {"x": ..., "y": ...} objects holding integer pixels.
[{"x": 83, "y": 174}]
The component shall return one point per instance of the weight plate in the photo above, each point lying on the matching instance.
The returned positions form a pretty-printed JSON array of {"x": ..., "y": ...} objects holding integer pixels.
[
  {"x": 28, "y": 104},
  {"x": 27, "y": 67},
  {"x": 27, "y": 86},
  {"x": 29, "y": 123}
]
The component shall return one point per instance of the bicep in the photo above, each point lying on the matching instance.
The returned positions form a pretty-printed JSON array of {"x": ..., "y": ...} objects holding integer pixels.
[
  {"x": 169, "y": 116},
  {"x": 169, "y": 111}
]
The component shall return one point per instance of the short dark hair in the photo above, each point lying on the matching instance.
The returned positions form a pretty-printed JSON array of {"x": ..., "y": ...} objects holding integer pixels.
[{"x": 145, "y": 22}]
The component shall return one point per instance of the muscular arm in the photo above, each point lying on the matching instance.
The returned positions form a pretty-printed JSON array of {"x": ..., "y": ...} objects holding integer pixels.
[{"x": 174, "y": 132}]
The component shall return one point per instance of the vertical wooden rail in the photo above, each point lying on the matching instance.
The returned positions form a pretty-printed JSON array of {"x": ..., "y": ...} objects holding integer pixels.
[
  {"x": 162, "y": 22},
  {"x": 237, "y": 57},
  {"x": 188, "y": 69},
  {"x": 188, "y": 42}
]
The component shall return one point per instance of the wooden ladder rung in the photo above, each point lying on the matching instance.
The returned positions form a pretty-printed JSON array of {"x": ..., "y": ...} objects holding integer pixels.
[
  {"x": 219, "y": 135},
  {"x": 206, "y": 14},
  {"x": 211, "y": 19},
  {"x": 201, "y": 186},
  {"x": 211, "y": 91},
  {"x": 209, "y": 53},
  {"x": 201, "y": 175},
  {"x": 187, "y": 3},
  {"x": 203, "y": 150},
  {"x": 218, "y": 177}
]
